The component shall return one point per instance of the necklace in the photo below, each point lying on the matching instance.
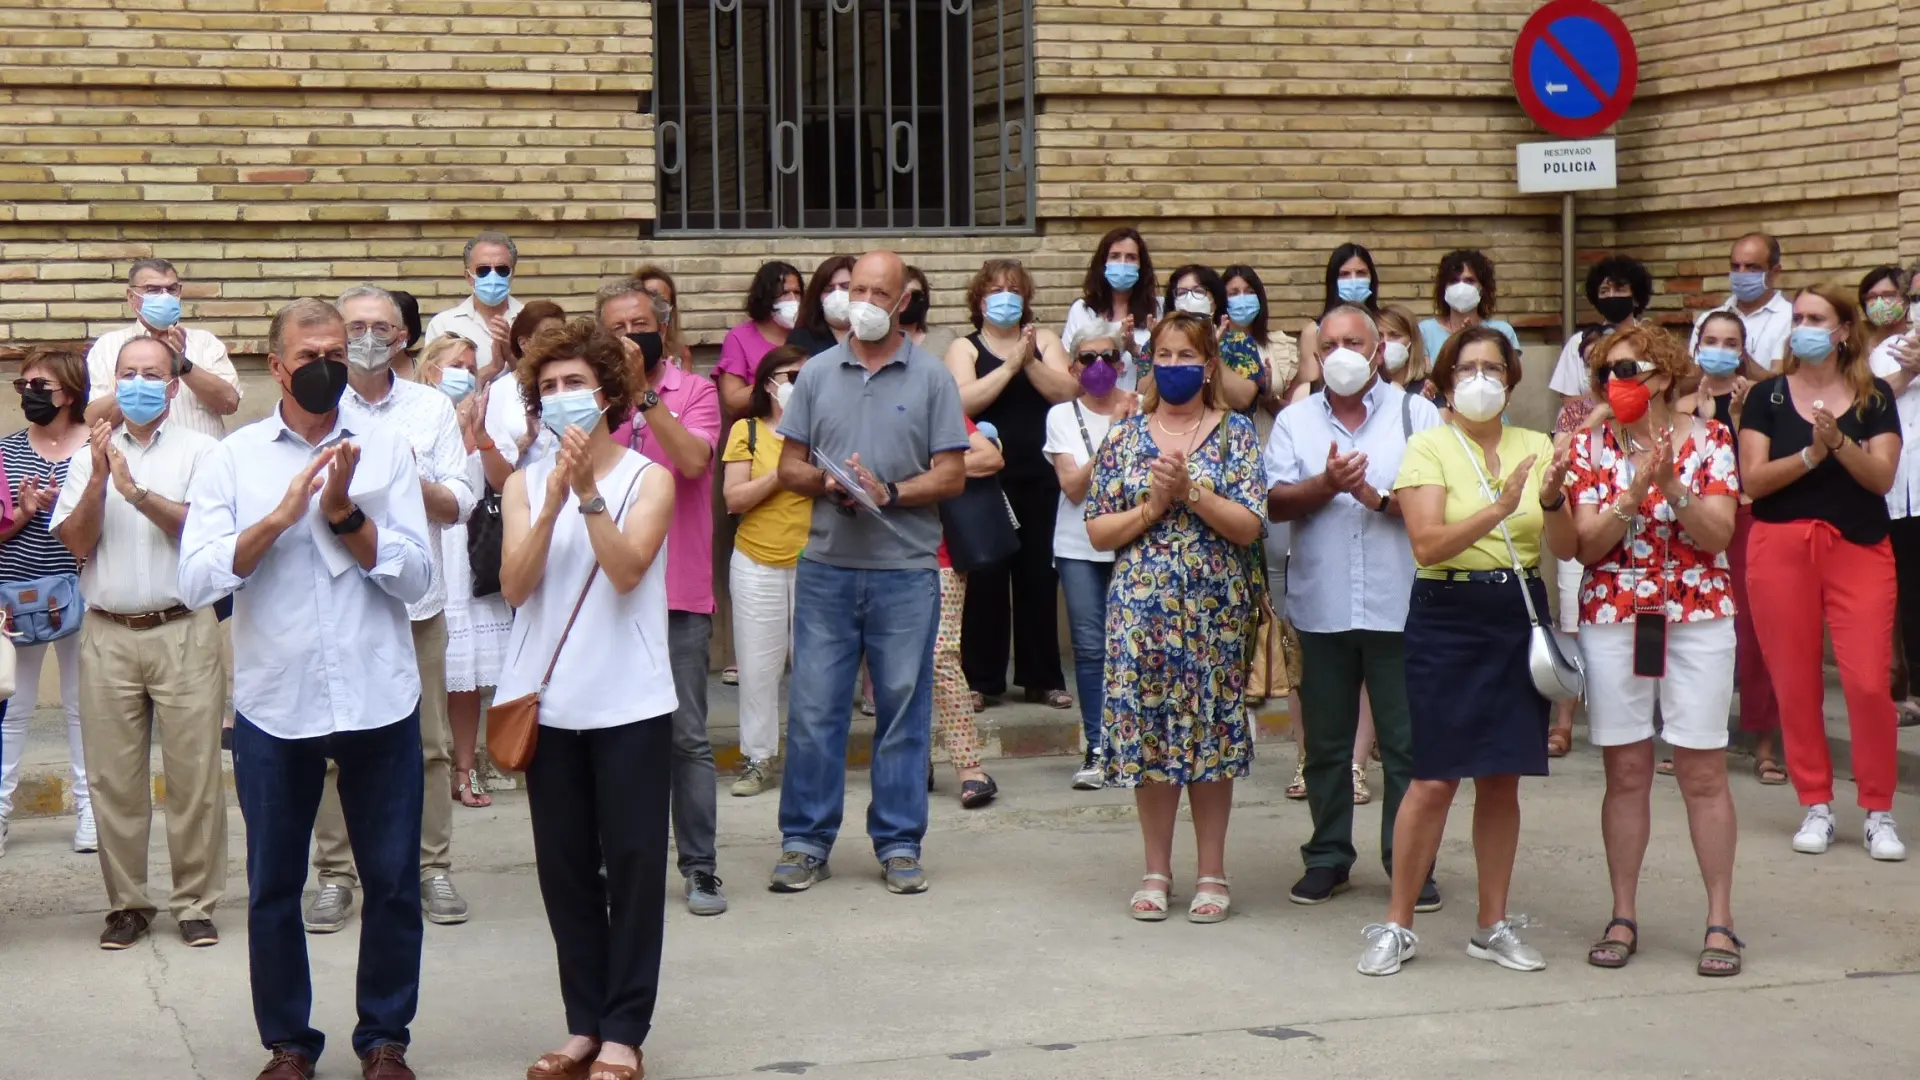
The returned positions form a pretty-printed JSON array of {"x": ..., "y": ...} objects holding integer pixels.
[{"x": 1163, "y": 427}]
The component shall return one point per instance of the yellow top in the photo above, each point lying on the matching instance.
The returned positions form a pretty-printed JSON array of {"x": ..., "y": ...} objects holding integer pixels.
[
  {"x": 1439, "y": 457},
  {"x": 774, "y": 532}
]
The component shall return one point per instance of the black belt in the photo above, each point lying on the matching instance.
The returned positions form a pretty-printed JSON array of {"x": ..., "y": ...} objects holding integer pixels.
[
  {"x": 145, "y": 621},
  {"x": 1482, "y": 577}
]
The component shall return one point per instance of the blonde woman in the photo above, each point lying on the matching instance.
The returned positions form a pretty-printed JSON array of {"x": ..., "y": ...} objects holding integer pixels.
[{"x": 1408, "y": 364}]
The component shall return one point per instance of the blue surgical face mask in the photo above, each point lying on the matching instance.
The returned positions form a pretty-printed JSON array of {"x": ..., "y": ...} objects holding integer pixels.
[
  {"x": 491, "y": 288},
  {"x": 1811, "y": 344},
  {"x": 160, "y": 311},
  {"x": 1004, "y": 309},
  {"x": 1178, "y": 383},
  {"x": 1748, "y": 285},
  {"x": 1243, "y": 309},
  {"x": 1718, "y": 360},
  {"x": 141, "y": 401},
  {"x": 1354, "y": 290},
  {"x": 456, "y": 383},
  {"x": 1123, "y": 275},
  {"x": 570, "y": 408}
]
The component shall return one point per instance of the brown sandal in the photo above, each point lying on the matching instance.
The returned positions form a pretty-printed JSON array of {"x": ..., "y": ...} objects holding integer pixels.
[
  {"x": 1611, "y": 953},
  {"x": 1769, "y": 772},
  {"x": 607, "y": 1070},
  {"x": 558, "y": 1066},
  {"x": 1727, "y": 962},
  {"x": 1559, "y": 743}
]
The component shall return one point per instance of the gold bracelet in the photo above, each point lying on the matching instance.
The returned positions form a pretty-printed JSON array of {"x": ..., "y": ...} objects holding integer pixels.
[{"x": 1146, "y": 519}]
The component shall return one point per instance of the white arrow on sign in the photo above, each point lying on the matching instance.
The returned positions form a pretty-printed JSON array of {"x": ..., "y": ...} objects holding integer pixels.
[{"x": 1556, "y": 88}]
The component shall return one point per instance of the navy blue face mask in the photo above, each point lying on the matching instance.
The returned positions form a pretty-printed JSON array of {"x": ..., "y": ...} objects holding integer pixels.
[{"x": 1178, "y": 383}]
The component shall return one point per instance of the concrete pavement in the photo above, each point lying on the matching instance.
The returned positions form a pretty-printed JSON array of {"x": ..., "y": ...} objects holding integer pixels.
[{"x": 1021, "y": 961}]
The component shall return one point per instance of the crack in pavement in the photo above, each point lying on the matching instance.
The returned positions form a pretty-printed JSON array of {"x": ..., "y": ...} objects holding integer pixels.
[{"x": 156, "y": 980}]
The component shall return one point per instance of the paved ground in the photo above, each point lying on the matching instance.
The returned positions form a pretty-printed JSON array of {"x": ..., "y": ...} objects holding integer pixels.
[{"x": 1022, "y": 963}]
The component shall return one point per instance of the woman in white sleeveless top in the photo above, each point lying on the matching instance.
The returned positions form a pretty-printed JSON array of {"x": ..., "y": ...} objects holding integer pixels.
[{"x": 587, "y": 527}]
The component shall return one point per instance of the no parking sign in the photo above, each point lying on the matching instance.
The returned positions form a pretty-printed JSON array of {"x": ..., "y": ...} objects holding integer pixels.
[{"x": 1575, "y": 68}]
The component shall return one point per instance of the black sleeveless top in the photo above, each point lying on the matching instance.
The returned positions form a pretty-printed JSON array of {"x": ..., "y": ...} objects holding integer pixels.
[{"x": 1020, "y": 414}]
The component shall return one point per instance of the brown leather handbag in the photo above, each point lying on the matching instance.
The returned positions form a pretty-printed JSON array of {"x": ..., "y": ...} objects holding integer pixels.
[{"x": 513, "y": 727}]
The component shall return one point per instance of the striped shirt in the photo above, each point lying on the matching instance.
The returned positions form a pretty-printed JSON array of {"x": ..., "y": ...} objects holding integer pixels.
[{"x": 33, "y": 552}]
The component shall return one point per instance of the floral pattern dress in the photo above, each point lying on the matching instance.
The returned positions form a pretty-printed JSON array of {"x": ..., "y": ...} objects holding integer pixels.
[{"x": 1181, "y": 616}]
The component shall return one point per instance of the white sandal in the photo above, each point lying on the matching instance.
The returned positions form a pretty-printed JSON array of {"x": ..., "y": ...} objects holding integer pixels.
[
  {"x": 1156, "y": 898},
  {"x": 1204, "y": 898}
]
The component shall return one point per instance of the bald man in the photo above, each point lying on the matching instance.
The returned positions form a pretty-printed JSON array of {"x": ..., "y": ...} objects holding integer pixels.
[{"x": 874, "y": 434}]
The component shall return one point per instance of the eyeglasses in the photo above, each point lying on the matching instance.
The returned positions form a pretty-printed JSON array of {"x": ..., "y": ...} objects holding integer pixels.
[
  {"x": 786, "y": 376},
  {"x": 1178, "y": 293},
  {"x": 1627, "y": 369},
  {"x": 42, "y": 385},
  {"x": 1496, "y": 371},
  {"x": 483, "y": 271},
  {"x": 158, "y": 290},
  {"x": 381, "y": 330},
  {"x": 1110, "y": 356}
]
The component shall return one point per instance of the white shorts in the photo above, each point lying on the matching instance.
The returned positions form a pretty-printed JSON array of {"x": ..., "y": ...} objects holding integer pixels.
[
  {"x": 1566, "y": 581},
  {"x": 1693, "y": 698}
]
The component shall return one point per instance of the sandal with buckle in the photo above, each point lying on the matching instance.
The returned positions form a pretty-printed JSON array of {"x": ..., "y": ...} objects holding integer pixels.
[
  {"x": 1721, "y": 963},
  {"x": 1155, "y": 899},
  {"x": 1611, "y": 952},
  {"x": 1202, "y": 897}
]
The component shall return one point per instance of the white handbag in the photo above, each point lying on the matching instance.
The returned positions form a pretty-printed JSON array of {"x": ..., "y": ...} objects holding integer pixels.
[{"x": 8, "y": 660}]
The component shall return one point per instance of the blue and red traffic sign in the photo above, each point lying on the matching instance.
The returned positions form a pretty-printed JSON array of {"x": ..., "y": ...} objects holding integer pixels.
[{"x": 1575, "y": 68}]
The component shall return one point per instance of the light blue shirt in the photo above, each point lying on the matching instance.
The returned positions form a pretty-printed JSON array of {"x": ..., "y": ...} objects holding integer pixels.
[
  {"x": 315, "y": 651},
  {"x": 1434, "y": 336},
  {"x": 1351, "y": 567}
]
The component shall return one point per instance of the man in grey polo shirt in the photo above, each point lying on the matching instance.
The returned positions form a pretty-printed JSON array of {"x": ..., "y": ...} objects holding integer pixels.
[
  {"x": 1330, "y": 465},
  {"x": 888, "y": 415}
]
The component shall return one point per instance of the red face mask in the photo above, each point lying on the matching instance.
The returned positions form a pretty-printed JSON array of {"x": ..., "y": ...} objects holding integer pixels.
[{"x": 1628, "y": 399}]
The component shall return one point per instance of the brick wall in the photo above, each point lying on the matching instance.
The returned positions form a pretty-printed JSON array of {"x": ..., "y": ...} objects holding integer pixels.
[{"x": 277, "y": 148}]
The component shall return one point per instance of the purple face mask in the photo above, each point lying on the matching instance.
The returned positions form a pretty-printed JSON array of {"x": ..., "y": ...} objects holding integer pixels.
[{"x": 1099, "y": 378}]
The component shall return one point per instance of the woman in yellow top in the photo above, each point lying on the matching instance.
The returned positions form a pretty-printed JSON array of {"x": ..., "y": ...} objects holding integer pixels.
[
  {"x": 1468, "y": 629},
  {"x": 766, "y": 548}
]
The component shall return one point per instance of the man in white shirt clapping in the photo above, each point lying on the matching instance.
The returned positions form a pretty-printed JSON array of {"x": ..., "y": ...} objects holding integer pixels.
[{"x": 210, "y": 388}]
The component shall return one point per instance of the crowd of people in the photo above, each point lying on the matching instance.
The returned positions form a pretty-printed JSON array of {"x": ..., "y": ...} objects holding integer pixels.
[{"x": 516, "y": 499}]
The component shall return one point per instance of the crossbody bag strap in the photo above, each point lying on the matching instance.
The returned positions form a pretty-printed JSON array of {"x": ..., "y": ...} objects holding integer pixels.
[
  {"x": 584, "y": 589},
  {"x": 1080, "y": 419},
  {"x": 1486, "y": 489}
]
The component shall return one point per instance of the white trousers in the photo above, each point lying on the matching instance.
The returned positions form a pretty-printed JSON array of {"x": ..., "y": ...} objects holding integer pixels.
[
  {"x": 762, "y": 642},
  {"x": 26, "y": 695}
]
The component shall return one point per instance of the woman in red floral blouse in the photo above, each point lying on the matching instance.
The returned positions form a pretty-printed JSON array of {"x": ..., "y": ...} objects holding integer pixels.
[{"x": 1654, "y": 492}]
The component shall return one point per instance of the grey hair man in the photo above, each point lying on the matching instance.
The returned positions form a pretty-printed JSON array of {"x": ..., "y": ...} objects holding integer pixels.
[
  {"x": 486, "y": 316},
  {"x": 154, "y": 292}
]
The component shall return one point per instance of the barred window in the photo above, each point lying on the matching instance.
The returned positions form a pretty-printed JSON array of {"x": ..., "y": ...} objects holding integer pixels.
[{"x": 843, "y": 116}]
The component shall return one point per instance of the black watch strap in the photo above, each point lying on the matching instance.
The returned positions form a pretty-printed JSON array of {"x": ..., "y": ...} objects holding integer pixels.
[
  {"x": 893, "y": 494},
  {"x": 1386, "y": 499},
  {"x": 350, "y": 524}
]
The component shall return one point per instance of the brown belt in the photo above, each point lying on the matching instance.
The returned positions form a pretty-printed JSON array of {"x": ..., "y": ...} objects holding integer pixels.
[{"x": 145, "y": 621}]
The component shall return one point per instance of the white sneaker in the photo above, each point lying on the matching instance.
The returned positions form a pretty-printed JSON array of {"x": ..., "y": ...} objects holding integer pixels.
[
  {"x": 3, "y": 836},
  {"x": 1816, "y": 832},
  {"x": 85, "y": 837},
  {"x": 1883, "y": 840}
]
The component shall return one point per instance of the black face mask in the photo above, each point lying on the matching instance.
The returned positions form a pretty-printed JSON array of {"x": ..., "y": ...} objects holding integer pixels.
[
  {"x": 38, "y": 406},
  {"x": 915, "y": 313},
  {"x": 652, "y": 348},
  {"x": 1614, "y": 309},
  {"x": 318, "y": 384}
]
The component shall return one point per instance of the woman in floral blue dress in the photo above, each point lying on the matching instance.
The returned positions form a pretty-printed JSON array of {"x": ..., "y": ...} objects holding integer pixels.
[{"x": 1177, "y": 493}]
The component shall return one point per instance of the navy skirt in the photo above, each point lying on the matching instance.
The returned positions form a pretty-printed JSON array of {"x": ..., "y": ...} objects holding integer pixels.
[{"x": 1477, "y": 713}]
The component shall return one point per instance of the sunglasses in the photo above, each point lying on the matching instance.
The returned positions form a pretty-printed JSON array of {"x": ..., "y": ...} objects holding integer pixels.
[
  {"x": 786, "y": 376},
  {"x": 42, "y": 385},
  {"x": 1626, "y": 369},
  {"x": 483, "y": 271},
  {"x": 1110, "y": 356}
]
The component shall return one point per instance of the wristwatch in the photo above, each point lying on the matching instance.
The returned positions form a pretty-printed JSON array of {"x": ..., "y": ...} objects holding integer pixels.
[
  {"x": 595, "y": 505},
  {"x": 186, "y": 366},
  {"x": 139, "y": 495},
  {"x": 1685, "y": 500},
  {"x": 893, "y": 494},
  {"x": 1386, "y": 497},
  {"x": 648, "y": 400},
  {"x": 349, "y": 524}
]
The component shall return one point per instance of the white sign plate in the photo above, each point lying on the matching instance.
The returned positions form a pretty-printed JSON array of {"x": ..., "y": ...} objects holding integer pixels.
[{"x": 1584, "y": 165}]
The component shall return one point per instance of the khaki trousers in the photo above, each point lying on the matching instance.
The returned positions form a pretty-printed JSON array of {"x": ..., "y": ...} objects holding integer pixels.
[
  {"x": 332, "y": 856},
  {"x": 171, "y": 679}
]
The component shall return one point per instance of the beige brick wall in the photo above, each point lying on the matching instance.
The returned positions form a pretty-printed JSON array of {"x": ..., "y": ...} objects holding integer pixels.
[{"x": 277, "y": 148}]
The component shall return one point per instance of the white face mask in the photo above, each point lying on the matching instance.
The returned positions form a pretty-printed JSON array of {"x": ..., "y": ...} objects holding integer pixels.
[
  {"x": 369, "y": 354},
  {"x": 1395, "y": 354},
  {"x": 787, "y": 312},
  {"x": 783, "y": 393},
  {"x": 1195, "y": 304},
  {"x": 1479, "y": 397},
  {"x": 870, "y": 322},
  {"x": 1462, "y": 296},
  {"x": 1346, "y": 371},
  {"x": 836, "y": 306}
]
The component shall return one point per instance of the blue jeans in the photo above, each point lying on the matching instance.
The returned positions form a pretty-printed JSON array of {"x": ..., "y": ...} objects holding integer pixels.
[
  {"x": 1084, "y": 583},
  {"x": 381, "y": 790},
  {"x": 839, "y": 614}
]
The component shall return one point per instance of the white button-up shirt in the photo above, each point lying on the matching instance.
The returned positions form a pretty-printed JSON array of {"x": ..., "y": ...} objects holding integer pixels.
[
  {"x": 135, "y": 568},
  {"x": 188, "y": 411},
  {"x": 1352, "y": 566},
  {"x": 1903, "y": 499},
  {"x": 314, "y": 651},
  {"x": 462, "y": 320},
  {"x": 1767, "y": 329},
  {"x": 424, "y": 417}
]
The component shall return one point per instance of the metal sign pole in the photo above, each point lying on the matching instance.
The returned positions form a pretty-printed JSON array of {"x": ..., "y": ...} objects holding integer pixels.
[{"x": 1566, "y": 264}]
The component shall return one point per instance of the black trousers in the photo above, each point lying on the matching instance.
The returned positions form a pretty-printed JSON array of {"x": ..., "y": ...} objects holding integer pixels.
[
  {"x": 1904, "y": 535},
  {"x": 602, "y": 796},
  {"x": 1023, "y": 592}
]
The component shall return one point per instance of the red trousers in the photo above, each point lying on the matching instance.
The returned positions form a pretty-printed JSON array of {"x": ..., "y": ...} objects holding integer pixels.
[
  {"x": 1759, "y": 711},
  {"x": 1799, "y": 576}
]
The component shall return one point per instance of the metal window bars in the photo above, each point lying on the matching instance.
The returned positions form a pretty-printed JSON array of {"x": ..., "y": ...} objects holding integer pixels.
[{"x": 843, "y": 116}]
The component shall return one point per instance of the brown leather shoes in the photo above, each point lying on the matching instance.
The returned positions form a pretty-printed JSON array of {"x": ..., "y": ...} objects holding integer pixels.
[
  {"x": 388, "y": 1061},
  {"x": 123, "y": 929},
  {"x": 287, "y": 1065}
]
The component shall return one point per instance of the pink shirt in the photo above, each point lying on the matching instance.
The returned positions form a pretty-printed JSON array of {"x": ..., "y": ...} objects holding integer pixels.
[
  {"x": 693, "y": 401},
  {"x": 742, "y": 351}
]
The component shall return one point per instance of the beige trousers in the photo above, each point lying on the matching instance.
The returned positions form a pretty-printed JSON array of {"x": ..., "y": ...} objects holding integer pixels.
[
  {"x": 171, "y": 680},
  {"x": 332, "y": 856}
]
